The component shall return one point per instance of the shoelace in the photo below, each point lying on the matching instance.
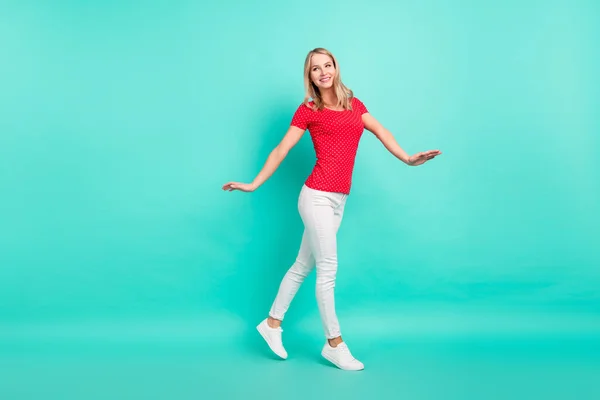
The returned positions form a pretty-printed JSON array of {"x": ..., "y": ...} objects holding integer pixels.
[{"x": 346, "y": 350}]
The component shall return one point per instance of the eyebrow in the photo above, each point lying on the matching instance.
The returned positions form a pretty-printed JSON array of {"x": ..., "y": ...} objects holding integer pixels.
[{"x": 315, "y": 65}]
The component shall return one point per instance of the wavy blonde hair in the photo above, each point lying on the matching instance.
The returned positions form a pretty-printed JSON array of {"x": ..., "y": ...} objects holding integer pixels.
[{"x": 343, "y": 94}]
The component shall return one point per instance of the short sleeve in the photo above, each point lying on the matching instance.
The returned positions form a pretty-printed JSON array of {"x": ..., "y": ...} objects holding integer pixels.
[
  {"x": 301, "y": 117},
  {"x": 359, "y": 106}
]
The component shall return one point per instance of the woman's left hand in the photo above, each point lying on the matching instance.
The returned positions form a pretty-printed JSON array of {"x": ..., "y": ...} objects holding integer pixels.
[{"x": 422, "y": 157}]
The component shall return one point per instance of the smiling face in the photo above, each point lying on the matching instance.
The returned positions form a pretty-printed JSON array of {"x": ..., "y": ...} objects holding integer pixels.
[{"x": 322, "y": 71}]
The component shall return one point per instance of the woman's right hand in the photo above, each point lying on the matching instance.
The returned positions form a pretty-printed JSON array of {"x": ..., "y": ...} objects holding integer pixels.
[
  {"x": 244, "y": 187},
  {"x": 275, "y": 158}
]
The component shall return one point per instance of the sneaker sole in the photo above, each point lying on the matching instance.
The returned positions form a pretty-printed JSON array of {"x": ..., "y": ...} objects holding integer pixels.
[
  {"x": 266, "y": 338},
  {"x": 325, "y": 356}
]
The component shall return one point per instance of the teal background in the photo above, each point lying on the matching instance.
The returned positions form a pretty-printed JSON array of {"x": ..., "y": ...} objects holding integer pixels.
[{"x": 125, "y": 272}]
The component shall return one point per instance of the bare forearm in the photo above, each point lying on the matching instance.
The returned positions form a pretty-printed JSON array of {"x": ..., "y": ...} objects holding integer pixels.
[
  {"x": 393, "y": 147},
  {"x": 271, "y": 165}
]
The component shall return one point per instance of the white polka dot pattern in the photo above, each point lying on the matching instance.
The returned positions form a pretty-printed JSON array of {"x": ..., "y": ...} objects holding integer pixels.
[{"x": 335, "y": 136}]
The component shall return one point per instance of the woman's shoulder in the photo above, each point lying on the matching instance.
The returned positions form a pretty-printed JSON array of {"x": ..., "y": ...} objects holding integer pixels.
[
  {"x": 358, "y": 105},
  {"x": 306, "y": 106}
]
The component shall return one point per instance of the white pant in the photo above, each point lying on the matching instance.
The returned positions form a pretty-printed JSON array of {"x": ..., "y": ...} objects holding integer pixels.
[{"x": 322, "y": 214}]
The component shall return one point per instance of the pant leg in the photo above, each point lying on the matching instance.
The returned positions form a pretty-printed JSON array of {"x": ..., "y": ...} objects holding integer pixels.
[
  {"x": 293, "y": 279},
  {"x": 322, "y": 213}
]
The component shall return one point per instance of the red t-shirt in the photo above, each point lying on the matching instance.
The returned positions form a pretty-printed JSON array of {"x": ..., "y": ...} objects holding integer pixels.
[{"x": 335, "y": 136}]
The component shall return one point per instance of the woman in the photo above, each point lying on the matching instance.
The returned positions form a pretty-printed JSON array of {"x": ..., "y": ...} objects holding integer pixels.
[{"x": 336, "y": 120}]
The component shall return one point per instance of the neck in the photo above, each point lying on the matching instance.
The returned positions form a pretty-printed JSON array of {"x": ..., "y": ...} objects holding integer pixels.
[{"x": 329, "y": 97}]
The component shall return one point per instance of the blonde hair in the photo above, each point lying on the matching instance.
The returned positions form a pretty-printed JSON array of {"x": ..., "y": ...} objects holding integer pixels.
[{"x": 343, "y": 94}]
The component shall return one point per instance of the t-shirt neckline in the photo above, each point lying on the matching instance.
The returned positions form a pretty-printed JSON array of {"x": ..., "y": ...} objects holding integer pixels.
[{"x": 327, "y": 108}]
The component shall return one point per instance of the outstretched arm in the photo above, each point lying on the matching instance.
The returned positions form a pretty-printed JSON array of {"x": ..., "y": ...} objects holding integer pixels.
[
  {"x": 388, "y": 140},
  {"x": 277, "y": 155}
]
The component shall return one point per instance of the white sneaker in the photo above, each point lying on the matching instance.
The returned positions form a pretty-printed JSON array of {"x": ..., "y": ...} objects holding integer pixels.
[
  {"x": 341, "y": 357},
  {"x": 273, "y": 338}
]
